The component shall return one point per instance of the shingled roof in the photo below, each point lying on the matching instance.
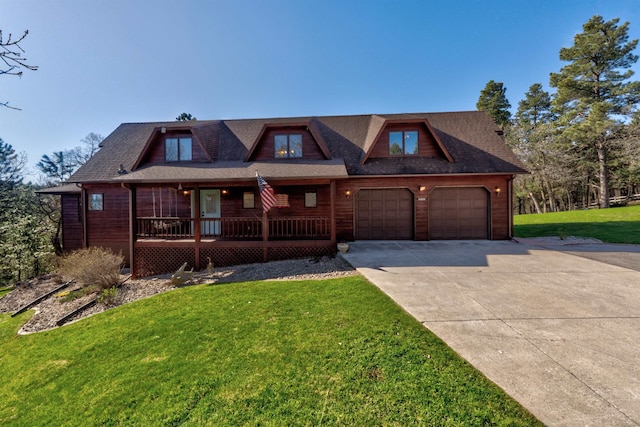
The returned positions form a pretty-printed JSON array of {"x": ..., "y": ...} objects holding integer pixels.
[{"x": 470, "y": 138}]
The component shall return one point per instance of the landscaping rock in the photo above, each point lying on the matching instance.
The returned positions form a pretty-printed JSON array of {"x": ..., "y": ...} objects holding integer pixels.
[{"x": 49, "y": 311}]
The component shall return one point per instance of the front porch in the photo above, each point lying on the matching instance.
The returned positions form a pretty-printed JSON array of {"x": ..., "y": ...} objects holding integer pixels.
[{"x": 201, "y": 227}]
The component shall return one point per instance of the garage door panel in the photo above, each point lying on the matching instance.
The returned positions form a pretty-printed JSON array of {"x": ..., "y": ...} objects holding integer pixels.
[
  {"x": 384, "y": 214},
  {"x": 458, "y": 213}
]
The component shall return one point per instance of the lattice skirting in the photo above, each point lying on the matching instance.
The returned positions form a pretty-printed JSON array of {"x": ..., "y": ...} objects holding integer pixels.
[
  {"x": 223, "y": 257},
  {"x": 159, "y": 260},
  {"x": 281, "y": 253},
  {"x": 151, "y": 261}
]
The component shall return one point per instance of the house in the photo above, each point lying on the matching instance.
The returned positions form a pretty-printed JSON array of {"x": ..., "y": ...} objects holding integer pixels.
[{"x": 173, "y": 192}]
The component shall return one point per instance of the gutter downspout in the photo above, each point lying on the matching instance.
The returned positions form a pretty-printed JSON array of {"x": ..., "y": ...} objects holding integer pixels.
[
  {"x": 83, "y": 205},
  {"x": 510, "y": 205},
  {"x": 132, "y": 227}
]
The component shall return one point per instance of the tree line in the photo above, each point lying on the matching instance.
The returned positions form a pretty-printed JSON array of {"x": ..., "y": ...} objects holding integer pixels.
[{"x": 580, "y": 143}]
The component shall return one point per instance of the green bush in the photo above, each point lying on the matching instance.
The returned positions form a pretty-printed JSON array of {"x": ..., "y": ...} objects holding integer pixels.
[
  {"x": 108, "y": 296},
  {"x": 96, "y": 267}
]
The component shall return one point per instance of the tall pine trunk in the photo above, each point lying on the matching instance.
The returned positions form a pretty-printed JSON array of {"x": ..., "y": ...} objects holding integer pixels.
[{"x": 603, "y": 175}]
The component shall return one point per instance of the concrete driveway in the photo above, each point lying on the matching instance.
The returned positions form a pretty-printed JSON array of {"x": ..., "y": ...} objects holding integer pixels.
[{"x": 557, "y": 327}]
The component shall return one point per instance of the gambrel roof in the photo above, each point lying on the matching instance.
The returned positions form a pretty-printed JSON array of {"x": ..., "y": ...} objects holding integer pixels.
[{"x": 469, "y": 142}]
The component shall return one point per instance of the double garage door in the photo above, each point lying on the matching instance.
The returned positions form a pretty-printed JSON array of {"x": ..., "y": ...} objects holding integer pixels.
[{"x": 454, "y": 213}]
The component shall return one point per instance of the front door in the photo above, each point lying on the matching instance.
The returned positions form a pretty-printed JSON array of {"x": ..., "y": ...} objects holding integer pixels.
[{"x": 209, "y": 212}]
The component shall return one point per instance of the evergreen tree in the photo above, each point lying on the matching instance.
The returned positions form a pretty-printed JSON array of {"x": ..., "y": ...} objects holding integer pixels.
[
  {"x": 594, "y": 91},
  {"x": 535, "y": 108},
  {"x": 493, "y": 100},
  {"x": 185, "y": 117},
  {"x": 59, "y": 167},
  {"x": 10, "y": 165}
]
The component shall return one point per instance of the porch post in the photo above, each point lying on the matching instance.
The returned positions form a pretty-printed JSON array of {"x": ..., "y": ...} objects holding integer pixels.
[
  {"x": 196, "y": 212},
  {"x": 265, "y": 237},
  {"x": 196, "y": 226},
  {"x": 333, "y": 212},
  {"x": 83, "y": 203}
]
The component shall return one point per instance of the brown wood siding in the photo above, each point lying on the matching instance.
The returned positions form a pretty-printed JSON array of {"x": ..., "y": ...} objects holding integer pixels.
[
  {"x": 385, "y": 214},
  {"x": 167, "y": 198},
  {"x": 155, "y": 154},
  {"x": 427, "y": 146},
  {"x": 231, "y": 203},
  {"x": 266, "y": 145},
  {"x": 109, "y": 228},
  {"x": 71, "y": 222},
  {"x": 499, "y": 214}
]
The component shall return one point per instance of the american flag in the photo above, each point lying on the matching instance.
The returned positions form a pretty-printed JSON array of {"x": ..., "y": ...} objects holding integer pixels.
[{"x": 266, "y": 194}]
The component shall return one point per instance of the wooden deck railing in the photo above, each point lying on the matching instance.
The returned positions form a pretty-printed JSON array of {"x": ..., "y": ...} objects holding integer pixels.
[
  {"x": 300, "y": 227},
  {"x": 280, "y": 228},
  {"x": 165, "y": 228}
]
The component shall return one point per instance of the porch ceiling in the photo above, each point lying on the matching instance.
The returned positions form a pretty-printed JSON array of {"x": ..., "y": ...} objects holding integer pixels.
[{"x": 237, "y": 170}]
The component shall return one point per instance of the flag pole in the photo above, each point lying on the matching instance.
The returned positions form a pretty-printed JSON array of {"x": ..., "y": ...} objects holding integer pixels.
[{"x": 265, "y": 230}]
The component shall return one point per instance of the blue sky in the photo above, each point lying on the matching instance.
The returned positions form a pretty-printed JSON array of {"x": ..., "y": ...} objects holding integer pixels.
[{"x": 105, "y": 62}]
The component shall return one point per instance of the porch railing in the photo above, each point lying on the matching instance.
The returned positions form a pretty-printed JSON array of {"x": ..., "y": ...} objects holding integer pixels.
[
  {"x": 165, "y": 227},
  {"x": 280, "y": 228},
  {"x": 300, "y": 227}
]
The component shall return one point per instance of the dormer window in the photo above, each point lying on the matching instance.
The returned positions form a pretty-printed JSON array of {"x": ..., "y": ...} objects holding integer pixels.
[
  {"x": 288, "y": 145},
  {"x": 177, "y": 149},
  {"x": 403, "y": 143}
]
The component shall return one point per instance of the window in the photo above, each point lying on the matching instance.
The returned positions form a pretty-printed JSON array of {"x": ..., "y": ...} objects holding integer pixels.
[
  {"x": 177, "y": 149},
  {"x": 287, "y": 146},
  {"x": 310, "y": 199},
  {"x": 248, "y": 200},
  {"x": 96, "y": 202},
  {"x": 403, "y": 142}
]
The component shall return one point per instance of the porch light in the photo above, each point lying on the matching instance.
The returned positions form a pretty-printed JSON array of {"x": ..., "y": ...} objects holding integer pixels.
[
  {"x": 225, "y": 192},
  {"x": 347, "y": 194},
  {"x": 422, "y": 188},
  {"x": 498, "y": 191}
]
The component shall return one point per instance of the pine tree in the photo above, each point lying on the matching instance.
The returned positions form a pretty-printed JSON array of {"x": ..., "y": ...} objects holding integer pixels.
[
  {"x": 535, "y": 108},
  {"x": 493, "y": 101},
  {"x": 594, "y": 91}
]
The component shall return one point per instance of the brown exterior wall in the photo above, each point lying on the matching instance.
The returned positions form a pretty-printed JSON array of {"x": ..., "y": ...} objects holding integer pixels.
[
  {"x": 499, "y": 204},
  {"x": 266, "y": 146},
  {"x": 109, "y": 228},
  {"x": 427, "y": 146},
  {"x": 167, "y": 198},
  {"x": 71, "y": 222}
]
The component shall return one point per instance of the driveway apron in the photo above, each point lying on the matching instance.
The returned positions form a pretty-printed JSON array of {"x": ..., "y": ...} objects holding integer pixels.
[{"x": 557, "y": 328}]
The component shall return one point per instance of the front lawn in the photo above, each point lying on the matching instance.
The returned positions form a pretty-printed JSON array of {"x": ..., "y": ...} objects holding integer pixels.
[
  {"x": 612, "y": 225},
  {"x": 334, "y": 352}
]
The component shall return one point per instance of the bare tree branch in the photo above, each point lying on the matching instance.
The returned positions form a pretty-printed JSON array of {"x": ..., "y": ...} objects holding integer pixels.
[{"x": 11, "y": 54}]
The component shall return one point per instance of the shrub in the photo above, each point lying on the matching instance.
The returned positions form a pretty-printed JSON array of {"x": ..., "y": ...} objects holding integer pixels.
[
  {"x": 95, "y": 267},
  {"x": 108, "y": 296},
  {"x": 72, "y": 295}
]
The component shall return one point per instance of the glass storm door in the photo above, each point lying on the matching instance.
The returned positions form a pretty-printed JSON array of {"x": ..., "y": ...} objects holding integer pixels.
[{"x": 209, "y": 212}]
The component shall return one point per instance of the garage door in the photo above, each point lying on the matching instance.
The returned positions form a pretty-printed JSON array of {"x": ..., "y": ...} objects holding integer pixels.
[
  {"x": 458, "y": 213},
  {"x": 384, "y": 214}
]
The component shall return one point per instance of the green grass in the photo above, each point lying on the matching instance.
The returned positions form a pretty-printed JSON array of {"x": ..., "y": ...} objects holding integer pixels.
[
  {"x": 4, "y": 291},
  {"x": 335, "y": 352},
  {"x": 613, "y": 225}
]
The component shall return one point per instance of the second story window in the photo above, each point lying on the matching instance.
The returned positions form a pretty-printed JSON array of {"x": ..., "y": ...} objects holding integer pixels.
[
  {"x": 177, "y": 149},
  {"x": 403, "y": 143},
  {"x": 287, "y": 146}
]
